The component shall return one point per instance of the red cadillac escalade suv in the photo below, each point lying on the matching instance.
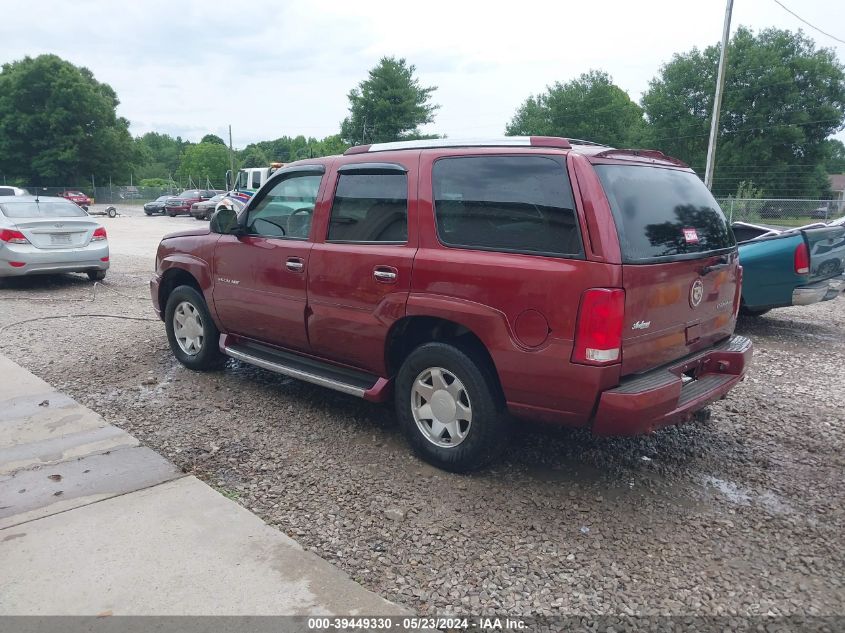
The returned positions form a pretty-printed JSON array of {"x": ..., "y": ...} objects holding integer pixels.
[{"x": 474, "y": 283}]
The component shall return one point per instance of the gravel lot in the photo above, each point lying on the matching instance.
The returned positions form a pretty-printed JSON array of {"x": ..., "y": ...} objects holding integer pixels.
[{"x": 739, "y": 515}]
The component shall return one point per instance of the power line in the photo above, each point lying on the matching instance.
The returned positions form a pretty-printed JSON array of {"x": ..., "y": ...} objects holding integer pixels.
[{"x": 812, "y": 26}]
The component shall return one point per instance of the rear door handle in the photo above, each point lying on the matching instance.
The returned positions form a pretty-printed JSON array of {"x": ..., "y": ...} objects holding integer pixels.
[
  {"x": 385, "y": 274},
  {"x": 295, "y": 264}
]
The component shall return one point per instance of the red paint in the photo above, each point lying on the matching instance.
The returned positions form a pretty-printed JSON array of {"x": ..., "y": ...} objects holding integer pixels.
[
  {"x": 531, "y": 328},
  {"x": 523, "y": 308}
]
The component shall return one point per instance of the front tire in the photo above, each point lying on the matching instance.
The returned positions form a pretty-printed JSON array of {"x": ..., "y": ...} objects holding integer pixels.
[
  {"x": 191, "y": 332},
  {"x": 450, "y": 407}
]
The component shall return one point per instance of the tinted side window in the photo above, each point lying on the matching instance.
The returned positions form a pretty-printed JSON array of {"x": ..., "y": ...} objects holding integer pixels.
[
  {"x": 286, "y": 209},
  {"x": 519, "y": 204},
  {"x": 370, "y": 208}
]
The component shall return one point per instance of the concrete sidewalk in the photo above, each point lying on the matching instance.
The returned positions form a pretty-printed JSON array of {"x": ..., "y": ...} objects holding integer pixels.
[{"x": 92, "y": 523}]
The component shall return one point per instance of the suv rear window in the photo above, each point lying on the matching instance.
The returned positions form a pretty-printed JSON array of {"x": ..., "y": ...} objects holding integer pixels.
[
  {"x": 516, "y": 204},
  {"x": 663, "y": 214}
]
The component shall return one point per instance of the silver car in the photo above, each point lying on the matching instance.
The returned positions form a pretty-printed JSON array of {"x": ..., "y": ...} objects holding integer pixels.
[
  {"x": 50, "y": 235},
  {"x": 12, "y": 191}
]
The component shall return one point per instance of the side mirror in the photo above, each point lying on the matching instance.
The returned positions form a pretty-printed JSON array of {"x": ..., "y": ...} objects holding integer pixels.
[{"x": 225, "y": 222}]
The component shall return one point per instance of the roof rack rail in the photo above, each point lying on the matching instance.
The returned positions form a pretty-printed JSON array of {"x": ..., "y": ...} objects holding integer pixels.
[
  {"x": 579, "y": 141},
  {"x": 505, "y": 141}
]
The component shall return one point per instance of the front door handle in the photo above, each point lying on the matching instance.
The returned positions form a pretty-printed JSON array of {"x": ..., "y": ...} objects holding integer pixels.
[
  {"x": 295, "y": 264},
  {"x": 385, "y": 274}
]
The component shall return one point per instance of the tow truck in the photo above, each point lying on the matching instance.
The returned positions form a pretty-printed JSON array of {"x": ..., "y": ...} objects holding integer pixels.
[{"x": 244, "y": 185}]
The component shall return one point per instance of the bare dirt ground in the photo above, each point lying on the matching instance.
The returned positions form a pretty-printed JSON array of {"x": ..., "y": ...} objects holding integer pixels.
[{"x": 739, "y": 515}]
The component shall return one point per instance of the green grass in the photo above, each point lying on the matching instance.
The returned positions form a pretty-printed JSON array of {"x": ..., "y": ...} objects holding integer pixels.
[
  {"x": 229, "y": 494},
  {"x": 778, "y": 221}
]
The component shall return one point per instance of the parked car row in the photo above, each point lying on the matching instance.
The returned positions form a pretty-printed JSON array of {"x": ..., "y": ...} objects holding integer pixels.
[
  {"x": 181, "y": 204},
  {"x": 471, "y": 283}
]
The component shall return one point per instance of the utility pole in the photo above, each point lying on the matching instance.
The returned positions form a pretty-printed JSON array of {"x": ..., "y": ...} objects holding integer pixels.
[
  {"x": 231, "y": 159},
  {"x": 717, "y": 99}
]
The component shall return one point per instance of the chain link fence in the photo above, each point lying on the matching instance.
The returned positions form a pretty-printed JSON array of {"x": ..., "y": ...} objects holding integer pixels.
[
  {"x": 123, "y": 195},
  {"x": 784, "y": 211}
]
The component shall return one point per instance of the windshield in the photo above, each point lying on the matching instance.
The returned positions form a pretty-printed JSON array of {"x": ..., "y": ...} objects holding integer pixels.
[
  {"x": 663, "y": 214},
  {"x": 189, "y": 194},
  {"x": 43, "y": 209},
  {"x": 162, "y": 198}
]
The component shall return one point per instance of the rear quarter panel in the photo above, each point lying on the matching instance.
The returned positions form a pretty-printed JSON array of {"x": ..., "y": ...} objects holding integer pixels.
[
  {"x": 488, "y": 292},
  {"x": 769, "y": 271}
]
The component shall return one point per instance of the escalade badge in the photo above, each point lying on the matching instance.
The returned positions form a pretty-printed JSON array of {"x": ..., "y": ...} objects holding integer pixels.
[
  {"x": 696, "y": 293},
  {"x": 641, "y": 325}
]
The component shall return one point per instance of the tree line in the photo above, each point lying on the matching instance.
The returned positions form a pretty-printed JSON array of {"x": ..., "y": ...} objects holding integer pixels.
[{"x": 783, "y": 100}]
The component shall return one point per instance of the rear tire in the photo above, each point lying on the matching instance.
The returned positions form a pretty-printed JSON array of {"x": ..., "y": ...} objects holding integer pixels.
[
  {"x": 752, "y": 313},
  {"x": 191, "y": 332},
  {"x": 450, "y": 408},
  {"x": 96, "y": 275}
]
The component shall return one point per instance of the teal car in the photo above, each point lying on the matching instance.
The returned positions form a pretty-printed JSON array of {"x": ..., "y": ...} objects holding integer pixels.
[{"x": 789, "y": 266}]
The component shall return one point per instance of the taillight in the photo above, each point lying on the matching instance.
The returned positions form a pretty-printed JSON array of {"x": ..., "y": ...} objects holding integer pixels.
[
  {"x": 802, "y": 259},
  {"x": 99, "y": 234},
  {"x": 12, "y": 237},
  {"x": 598, "y": 332}
]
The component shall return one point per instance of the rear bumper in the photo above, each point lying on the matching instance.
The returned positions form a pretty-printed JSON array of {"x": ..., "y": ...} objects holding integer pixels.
[
  {"x": 29, "y": 260},
  {"x": 835, "y": 287},
  {"x": 664, "y": 396},
  {"x": 177, "y": 209},
  {"x": 819, "y": 291}
]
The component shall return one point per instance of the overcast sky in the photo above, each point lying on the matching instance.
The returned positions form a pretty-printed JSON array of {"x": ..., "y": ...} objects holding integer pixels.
[{"x": 284, "y": 68}]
